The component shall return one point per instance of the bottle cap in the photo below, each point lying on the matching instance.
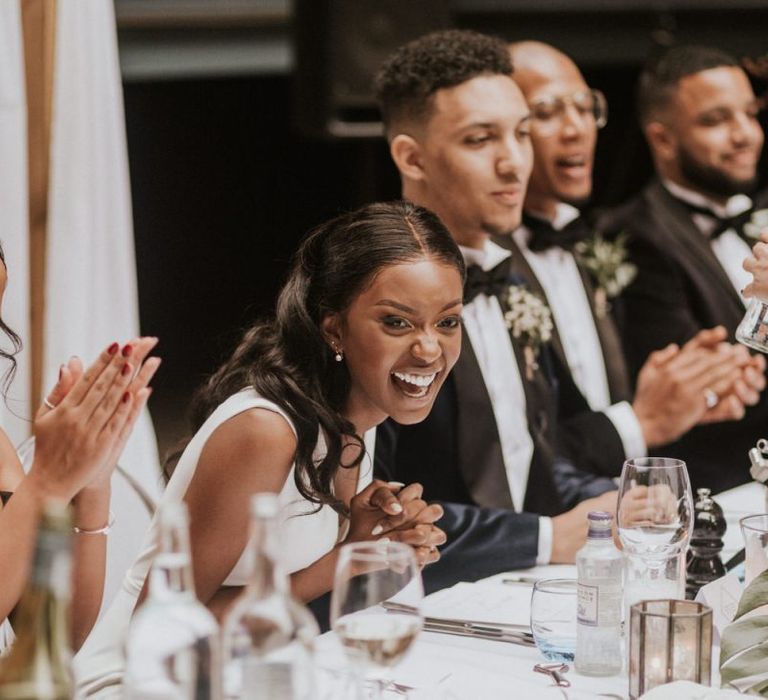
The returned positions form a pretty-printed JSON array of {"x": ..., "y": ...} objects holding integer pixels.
[
  {"x": 599, "y": 522},
  {"x": 598, "y": 516},
  {"x": 264, "y": 505}
]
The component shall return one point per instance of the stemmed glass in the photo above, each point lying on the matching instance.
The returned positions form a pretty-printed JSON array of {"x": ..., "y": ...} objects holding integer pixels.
[
  {"x": 368, "y": 574},
  {"x": 654, "y": 521}
]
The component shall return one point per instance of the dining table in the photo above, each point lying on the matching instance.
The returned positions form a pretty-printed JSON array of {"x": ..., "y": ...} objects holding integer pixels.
[{"x": 450, "y": 666}]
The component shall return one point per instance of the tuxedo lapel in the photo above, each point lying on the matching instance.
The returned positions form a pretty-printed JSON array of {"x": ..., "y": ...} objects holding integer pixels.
[
  {"x": 686, "y": 243},
  {"x": 616, "y": 368},
  {"x": 480, "y": 457},
  {"x": 520, "y": 265}
]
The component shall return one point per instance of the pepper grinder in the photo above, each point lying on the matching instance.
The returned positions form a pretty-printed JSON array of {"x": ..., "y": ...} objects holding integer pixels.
[{"x": 703, "y": 562}]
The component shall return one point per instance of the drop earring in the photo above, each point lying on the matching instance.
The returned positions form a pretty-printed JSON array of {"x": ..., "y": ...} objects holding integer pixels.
[{"x": 339, "y": 356}]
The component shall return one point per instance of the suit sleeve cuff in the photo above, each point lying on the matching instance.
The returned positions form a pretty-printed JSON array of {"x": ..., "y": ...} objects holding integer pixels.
[
  {"x": 544, "y": 555},
  {"x": 628, "y": 427}
]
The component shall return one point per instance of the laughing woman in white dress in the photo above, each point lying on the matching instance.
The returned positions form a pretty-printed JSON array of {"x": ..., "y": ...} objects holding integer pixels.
[{"x": 366, "y": 327}]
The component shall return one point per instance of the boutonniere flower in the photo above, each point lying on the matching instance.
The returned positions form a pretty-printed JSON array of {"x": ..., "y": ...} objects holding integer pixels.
[
  {"x": 529, "y": 320},
  {"x": 606, "y": 262},
  {"x": 757, "y": 224}
]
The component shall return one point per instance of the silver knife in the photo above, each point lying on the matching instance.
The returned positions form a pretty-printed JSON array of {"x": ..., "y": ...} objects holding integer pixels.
[
  {"x": 479, "y": 627},
  {"x": 511, "y": 638}
]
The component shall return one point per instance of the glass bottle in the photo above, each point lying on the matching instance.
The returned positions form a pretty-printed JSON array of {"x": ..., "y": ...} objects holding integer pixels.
[
  {"x": 39, "y": 663},
  {"x": 753, "y": 329},
  {"x": 598, "y": 630},
  {"x": 268, "y": 636},
  {"x": 172, "y": 649}
]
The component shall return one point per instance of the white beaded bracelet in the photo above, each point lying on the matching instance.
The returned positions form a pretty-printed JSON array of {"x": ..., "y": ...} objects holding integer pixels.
[{"x": 100, "y": 531}]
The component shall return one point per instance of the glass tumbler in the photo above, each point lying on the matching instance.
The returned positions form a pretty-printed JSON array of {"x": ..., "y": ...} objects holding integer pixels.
[{"x": 553, "y": 618}]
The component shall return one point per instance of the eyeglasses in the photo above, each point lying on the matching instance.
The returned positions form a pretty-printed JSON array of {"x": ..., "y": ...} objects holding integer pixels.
[{"x": 548, "y": 112}]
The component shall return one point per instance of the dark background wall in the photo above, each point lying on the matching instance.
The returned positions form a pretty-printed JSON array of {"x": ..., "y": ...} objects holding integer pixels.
[{"x": 224, "y": 184}]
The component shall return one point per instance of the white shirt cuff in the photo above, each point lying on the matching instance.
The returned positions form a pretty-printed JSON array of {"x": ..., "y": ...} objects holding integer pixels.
[
  {"x": 545, "y": 542},
  {"x": 625, "y": 421}
]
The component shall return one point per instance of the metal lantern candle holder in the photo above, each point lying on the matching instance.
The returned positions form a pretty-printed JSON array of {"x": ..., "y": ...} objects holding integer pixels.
[{"x": 669, "y": 640}]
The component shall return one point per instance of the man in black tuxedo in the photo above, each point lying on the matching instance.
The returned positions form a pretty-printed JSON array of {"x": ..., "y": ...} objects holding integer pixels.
[
  {"x": 687, "y": 239},
  {"x": 550, "y": 251},
  {"x": 458, "y": 129}
]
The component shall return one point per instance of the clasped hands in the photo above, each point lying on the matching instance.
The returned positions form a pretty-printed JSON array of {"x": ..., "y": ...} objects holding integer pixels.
[
  {"x": 705, "y": 381},
  {"x": 393, "y": 511}
]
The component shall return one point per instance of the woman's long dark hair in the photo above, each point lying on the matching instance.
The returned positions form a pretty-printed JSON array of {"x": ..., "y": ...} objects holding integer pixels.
[
  {"x": 9, "y": 374},
  {"x": 289, "y": 361}
]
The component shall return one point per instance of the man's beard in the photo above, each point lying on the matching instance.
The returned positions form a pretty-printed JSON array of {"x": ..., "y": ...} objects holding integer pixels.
[{"x": 711, "y": 180}]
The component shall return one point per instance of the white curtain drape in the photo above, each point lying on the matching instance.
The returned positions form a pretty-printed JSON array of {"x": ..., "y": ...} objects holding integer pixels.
[
  {"x": 91, "y": 290},
  {"x": 14, "y": 219}
]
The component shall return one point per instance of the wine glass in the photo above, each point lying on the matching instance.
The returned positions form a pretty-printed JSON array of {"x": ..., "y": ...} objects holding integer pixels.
[
  {"x": 368, "y": 574},
  {"x": 654, "y": 521}
]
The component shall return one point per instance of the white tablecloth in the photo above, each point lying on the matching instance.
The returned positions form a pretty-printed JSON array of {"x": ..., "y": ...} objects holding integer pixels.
[{"x": 455, "y": 668}]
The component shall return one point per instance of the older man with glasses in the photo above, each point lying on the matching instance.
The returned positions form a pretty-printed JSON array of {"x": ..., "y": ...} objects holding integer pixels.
[{"x": 556, "y": 252}]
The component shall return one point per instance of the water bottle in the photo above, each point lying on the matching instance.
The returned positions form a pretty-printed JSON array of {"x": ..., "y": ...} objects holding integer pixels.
[
  {"x": 268, "y": 636},
  {"x": 172, "y": 650},
  {"x": 598, "y": 630}
]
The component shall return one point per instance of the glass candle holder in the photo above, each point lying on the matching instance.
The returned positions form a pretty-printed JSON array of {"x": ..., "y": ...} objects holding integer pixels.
[
  {"x": 754, "y": 530},
  {"x": 753, "y": 329},
  {"x": 669, "y": 640}
]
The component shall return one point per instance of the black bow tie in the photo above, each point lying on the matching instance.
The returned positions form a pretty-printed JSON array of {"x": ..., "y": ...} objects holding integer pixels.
[
  {"x": 722, "y": 224},
  {"x": 493, "y": 282},
  {"x": 544, "y": 236}
]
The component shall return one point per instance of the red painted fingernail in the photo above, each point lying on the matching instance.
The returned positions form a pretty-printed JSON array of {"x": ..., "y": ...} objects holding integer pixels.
[
  {"x": 127, "y": 349},
  {"x": 126, "y": 368},
  {"x": 112, "y": 349},
  {"x": 126, "y": 396}
]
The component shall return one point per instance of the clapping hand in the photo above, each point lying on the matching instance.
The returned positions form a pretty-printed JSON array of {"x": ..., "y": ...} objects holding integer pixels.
[
  {"x": 390, "y": 510},
  {"x": 705, "y": 381},
  {"x": 78, "y": 441},
  {"x": 757, "y": 265}
]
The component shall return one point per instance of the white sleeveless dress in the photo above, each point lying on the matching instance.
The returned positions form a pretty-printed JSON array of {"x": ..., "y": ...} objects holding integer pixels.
[{"x": 99, "y": 664}]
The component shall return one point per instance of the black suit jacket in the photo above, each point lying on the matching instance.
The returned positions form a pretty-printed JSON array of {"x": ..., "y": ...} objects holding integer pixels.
[
  {"x": 586, "y": 437},
  {"x": 456, "y": 452},
  {"x": 681, "y": 288}
]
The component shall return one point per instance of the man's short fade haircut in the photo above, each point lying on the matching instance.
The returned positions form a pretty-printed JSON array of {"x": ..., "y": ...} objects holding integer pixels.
[
  {"x": 659, "y": 80},
  {"x": 410, "y": 77}
]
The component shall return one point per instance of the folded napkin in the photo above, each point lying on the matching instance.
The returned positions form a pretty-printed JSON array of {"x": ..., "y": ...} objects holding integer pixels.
[{"x": 481, "y": 602}]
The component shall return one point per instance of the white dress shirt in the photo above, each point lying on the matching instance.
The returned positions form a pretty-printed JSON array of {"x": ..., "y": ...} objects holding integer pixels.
[
  {"x": 487, "y": 331},
  {"x": 559, "y": 276},
  {"x": 729, "y": 248}
]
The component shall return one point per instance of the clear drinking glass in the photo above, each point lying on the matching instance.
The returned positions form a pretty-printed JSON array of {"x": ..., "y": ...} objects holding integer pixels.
[
  {"x": 368, "y": 574},
  {"x": 553, "y": 618},
  {"x": 753, "y": 329},
  {"x": 754, "y": 530},
  {"x": 654, "y": 522}
]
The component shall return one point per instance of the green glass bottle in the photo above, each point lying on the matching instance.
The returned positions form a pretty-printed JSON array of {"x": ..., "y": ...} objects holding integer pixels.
[{"x": 38, "y": 666}]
